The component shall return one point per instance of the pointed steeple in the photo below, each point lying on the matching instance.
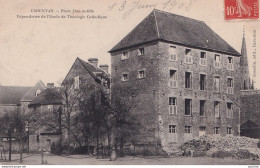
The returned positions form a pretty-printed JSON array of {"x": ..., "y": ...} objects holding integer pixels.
[{"x": 245, "y": 85}]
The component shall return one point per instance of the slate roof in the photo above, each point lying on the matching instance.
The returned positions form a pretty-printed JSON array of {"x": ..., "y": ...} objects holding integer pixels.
[
  {"x": 12, "y": 94},
  {"x": 49, "y": 96},
  {"x": 91, "y": 69},
  {"x": 30, "y": 95},
  {"x": 160, "y": 25}
]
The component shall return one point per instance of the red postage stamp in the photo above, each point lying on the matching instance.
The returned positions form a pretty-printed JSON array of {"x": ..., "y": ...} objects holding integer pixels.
[{"x": 241, "y": 9}]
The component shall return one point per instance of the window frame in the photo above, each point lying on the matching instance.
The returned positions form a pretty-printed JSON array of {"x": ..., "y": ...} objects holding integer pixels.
[
  {"x": 203, "y": 61},
  {"x": 217, "y": 104},
  {"x": 144, "y": 73},
  {"x": 173, "y": 79},
  {"x": 229, "y": 131},
  {"x": 216, "y": 130},
  {"x": 187, "y": 129},
  {"x": 230, "y": 112},
  {"x": 217, "y": 64},
  {"x": 190, "y": 82},
  {"x": 204, "y": 83},
  {"x": 171, "y": 54},
  {"x": 230, "y": 89},
  {"x": 141, "y": 51},
  {"x": 122, "y": 76},
  {"x": 188, "y": 59},
  {"x": 214, "y": 82},
  {"x": 204, "y": 108},
  {"x": 76, "y": 82},
  {"x": 230, "y": 66},
  {"x": 173, "y": 106},
  {"x": 124, "y": 55},
  {"x": 185, "y": 110}
]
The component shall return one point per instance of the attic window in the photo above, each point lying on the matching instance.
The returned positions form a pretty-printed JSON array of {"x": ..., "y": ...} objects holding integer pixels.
[
  {"x": 188, "y": 56},
  {"x": 37, "y": 92},
  {"x": 125, "y": 77},
  {"x": 141, "y": 51},
  {"x": 141, "y": 74},
  {"x": 76, "y": 82}
]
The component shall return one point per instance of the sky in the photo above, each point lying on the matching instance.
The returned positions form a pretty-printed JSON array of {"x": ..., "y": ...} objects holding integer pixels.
[{"x": 33, "y": 49}]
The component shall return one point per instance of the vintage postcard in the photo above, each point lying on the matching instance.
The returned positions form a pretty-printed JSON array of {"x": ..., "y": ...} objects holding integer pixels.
[{"x": 129, "y": 82}]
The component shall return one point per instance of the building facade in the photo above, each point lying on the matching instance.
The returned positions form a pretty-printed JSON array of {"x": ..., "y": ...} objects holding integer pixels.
[{"x": 187, "y": 78}]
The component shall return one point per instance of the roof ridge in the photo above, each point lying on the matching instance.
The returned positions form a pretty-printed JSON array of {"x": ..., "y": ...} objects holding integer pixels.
[
  {"x": 81, "y": 61},
  {"x": 169, "y": 13}
]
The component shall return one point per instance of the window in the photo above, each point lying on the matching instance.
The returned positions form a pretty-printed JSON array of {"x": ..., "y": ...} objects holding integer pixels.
[
  {"x": 187, "y": 130},
  {"x": 229, "y": 130},
  {"x": 188, "y": 106},
  {"x": 216, "y": 130},
  {"x": 172, "y": 133},
  {"x": 188, "y": 56},
  {"x": 203, "y": 58},
  {"x": 202, "y": 107},
  {"x": 141, "y": 74},
  {"x": 202, "y": 81},
  {"x": 76, "y": 82},
  {"x": 216, "y": 108},
  {"x": 50, "y": 108},
  {"x": 173, "y": 78},
  {"x": 230, "y": 63},
  {"x": 202, "y": 130},
  {"x": 172, "y": 106},
  {"x": 124, "y": 56},
  {"x": 172, "y": 129},
  {"x": 188, "y": 80},
  {"x": 48, "y": 142},
  {"x": 217, "y": 61},
  {"x": 37, "y": 138},
  {"x": 173, "y": 53},
  {"x": 229, "y": 110},
  {"x": 229, "y": 85},
  {"x": 37, "y": 92},
  {"x": 124, "y": 77},
  {"x": 216, "y": 84},
  {"x": 141, "y": 51}
]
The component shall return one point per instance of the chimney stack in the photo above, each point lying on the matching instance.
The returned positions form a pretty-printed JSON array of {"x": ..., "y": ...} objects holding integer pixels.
[
  {"x": 104, "y": 67},
  {"x": 93, "y": 61},
  {"x": 50, "y": 85}
]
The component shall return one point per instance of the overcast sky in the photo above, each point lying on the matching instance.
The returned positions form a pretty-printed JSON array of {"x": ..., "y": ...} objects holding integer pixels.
[{"x": 45, "y": 49}]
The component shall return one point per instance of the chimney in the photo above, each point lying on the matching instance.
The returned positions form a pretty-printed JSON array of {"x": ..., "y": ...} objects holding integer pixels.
[
  {"x": 104, "y": 67},
  {"x": 93, "y": 61},
  {"x": 50, "y": 85}
]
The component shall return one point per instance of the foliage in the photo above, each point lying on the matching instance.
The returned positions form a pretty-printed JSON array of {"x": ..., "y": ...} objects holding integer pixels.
[
  {"x": 239, "y": 154},
  {"x": 201, "y": 145},
  {"x": 258, "y": 144},
  {"x": 146, "y": 151}
]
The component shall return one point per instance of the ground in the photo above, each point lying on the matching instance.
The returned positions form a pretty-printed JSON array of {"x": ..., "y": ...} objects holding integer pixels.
[{"x": 36, "y": 159}]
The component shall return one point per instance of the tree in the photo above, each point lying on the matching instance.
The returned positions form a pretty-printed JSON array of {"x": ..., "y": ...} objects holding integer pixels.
[
  {"x": 125, "y": 123},
  {"x": 13, "y": 123}
]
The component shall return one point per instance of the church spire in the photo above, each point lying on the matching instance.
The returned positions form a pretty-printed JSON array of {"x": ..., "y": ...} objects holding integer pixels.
[{"x": 244, "y": 65}]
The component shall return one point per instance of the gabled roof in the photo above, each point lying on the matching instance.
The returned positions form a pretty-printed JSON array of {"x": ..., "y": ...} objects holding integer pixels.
[
  {"x": 49, "y": 96},
  {"x": 159, "y": 25},
  {"x": 12, "y": 94},
  {"x": 91, "y": 69},
  {"x": 30, "y": 95}
]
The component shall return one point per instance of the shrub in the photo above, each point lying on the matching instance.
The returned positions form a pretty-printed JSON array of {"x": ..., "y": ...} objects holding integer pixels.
[
  {"x": 55, "y": 148},
  {"x": 147, "y": 151},
  {"x": 223, "y": 154},
  {"x": 258, "y": 144}
]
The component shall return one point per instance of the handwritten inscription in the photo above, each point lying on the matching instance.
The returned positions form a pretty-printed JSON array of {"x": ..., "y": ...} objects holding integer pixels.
[{"x": 127, "y": 7}]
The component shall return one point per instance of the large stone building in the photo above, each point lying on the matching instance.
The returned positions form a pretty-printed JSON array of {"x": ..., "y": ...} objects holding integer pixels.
[{"x": 187, "y": 78}]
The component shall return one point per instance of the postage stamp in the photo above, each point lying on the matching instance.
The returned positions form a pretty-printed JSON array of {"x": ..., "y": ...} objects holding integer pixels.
[{"x": 241, "y": 9}]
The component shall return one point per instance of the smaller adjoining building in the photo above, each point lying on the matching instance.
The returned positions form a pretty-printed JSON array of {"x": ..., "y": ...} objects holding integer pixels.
[{"x": 45, "y": 127}]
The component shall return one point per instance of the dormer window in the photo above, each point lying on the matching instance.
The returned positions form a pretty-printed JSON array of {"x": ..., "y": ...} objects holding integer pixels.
[
  {"x": 124, "y": 56},
  {"x": 37, "y": 92},
  {"x": 188, "y": 56},
  {"x": 141, "y": 51},
  {"x": 76, "y": 82}
]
